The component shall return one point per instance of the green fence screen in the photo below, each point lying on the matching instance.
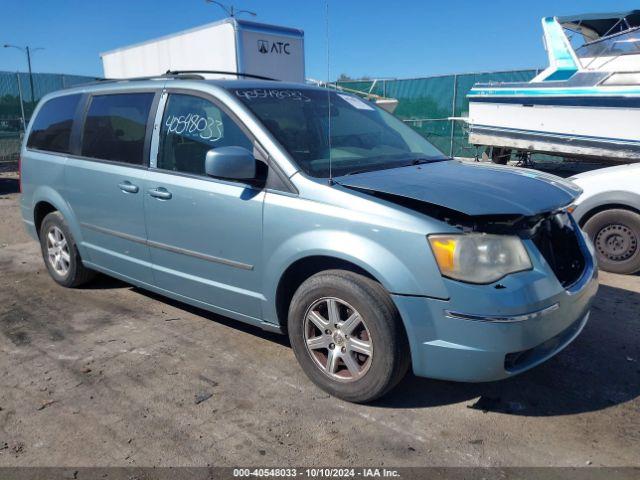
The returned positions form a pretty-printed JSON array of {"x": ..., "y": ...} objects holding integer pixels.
[
  {"x": 17, "y": 102},
  {"x": 432, "y": 105}
]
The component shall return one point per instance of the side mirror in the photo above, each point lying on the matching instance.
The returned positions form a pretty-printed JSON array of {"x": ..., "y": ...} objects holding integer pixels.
[{"x": 236, "y": 163}]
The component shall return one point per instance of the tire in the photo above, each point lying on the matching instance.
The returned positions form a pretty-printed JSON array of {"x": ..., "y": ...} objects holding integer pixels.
[
  {"x": 65, "y": 265},
  {"x": 500, "y": 156},
  {"x": 357, "y": 376},
  {"x": 615, "y": 234}
]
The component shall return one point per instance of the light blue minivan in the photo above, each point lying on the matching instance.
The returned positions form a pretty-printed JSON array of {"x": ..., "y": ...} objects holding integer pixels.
[{"x": 311, "y": 212}]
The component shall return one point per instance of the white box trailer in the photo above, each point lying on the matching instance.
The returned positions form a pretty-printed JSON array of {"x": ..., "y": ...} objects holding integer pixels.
[{"x": 230, "y": 45}]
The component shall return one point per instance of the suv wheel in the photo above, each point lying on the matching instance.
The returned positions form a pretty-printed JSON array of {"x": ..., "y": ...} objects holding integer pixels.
[
  {"x": 61, "y": 254},
  {"x": 616, "y": 236},
  {"x": 348, "y": 336}
]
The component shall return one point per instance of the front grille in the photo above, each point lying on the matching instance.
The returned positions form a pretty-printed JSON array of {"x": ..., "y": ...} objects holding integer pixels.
[{"x": 557, "y": 240}]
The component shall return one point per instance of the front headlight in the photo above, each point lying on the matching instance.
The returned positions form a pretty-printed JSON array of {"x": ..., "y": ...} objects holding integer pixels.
[{"x": 479, "y": 257}]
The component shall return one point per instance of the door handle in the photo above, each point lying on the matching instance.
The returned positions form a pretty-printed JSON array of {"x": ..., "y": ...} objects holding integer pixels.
[
  {"x": 161, "y": 193},
  {"x": 128, "y": 187}
]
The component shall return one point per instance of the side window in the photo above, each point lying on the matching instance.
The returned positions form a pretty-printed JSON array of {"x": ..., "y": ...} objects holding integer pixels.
[
  {"x": 191, "y": 126},
  {"x": 51, "y": 129},
  {"x": 115, "y": 127}
]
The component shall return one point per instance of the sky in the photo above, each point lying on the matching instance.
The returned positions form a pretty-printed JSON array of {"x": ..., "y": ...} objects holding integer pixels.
[{"x": 374, "y": 38}]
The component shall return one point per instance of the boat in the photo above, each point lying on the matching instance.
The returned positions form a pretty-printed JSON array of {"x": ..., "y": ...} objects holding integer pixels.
[{"x": 584, "y": 107}]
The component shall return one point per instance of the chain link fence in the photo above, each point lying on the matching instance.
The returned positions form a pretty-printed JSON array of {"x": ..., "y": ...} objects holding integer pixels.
[
  {"x": 18, "y": 100},
  {"x": 434, "y": 106}
]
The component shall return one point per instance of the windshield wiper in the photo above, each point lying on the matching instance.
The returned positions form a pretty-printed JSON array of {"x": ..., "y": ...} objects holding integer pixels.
[
  {"x": 415, "y": 161},
  {"x": 423, "y": 160},
  {"x": 364, "y": 170}
]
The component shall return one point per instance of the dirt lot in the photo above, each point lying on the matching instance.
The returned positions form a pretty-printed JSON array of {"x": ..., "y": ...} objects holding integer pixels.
[{"x": 113, "y": 375}]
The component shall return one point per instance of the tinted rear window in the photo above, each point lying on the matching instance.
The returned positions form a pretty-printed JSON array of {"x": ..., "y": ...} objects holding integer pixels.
[
  {"x": 115, "y": 127},
  {"x": 51, "y": 128}
]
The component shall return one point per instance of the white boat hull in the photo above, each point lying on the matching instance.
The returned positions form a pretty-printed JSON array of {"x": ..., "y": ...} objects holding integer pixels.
[
  {"x": 573, "y": 131},
  {"x": 586, "y": 104}
]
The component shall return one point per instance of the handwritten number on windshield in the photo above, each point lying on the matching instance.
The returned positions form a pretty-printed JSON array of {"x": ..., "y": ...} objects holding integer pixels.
[{"x": 279, "y": 94}]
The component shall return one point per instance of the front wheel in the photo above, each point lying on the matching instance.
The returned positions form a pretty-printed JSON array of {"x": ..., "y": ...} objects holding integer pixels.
[
  {"x": 348, "y": 336},
  {"x": 615, "y": 234}
]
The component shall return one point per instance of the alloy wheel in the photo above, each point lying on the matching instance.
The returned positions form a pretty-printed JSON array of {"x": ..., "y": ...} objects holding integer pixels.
[
  {"x": 338, "y": 340},
  {"x": 58, "y": 251}
]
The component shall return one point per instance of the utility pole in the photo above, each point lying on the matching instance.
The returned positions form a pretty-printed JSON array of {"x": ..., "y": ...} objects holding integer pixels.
[
  {"x": 28, "y": 51},
  {"x": 24, "y": 119},
  {"x": 30, "y": 74}
]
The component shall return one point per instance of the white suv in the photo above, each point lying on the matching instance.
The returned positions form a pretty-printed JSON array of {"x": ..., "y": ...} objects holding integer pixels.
[{"x": 609, "y": 212}]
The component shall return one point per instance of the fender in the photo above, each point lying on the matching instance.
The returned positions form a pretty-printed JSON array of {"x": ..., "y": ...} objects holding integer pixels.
[
  {"x": 615, "y": 197},
  {"x": 372, "y": 257},
  {"x": 45, "y": 193}
]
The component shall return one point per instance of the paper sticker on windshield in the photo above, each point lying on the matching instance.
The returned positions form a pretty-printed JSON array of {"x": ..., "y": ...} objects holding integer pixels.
[{"x": 356, "y": 102}]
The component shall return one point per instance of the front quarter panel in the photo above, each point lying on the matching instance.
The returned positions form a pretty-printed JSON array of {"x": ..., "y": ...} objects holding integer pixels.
[
  {"x": 588, "y": 202},
  {"x": 619, "y": 185},
  {"x": 389, "y": 244}
]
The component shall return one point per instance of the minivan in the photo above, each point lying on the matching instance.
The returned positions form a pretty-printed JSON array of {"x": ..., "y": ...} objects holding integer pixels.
[{"x": 311, "y": 212}]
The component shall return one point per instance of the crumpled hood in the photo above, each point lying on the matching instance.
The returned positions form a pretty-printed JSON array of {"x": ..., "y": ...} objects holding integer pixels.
[{"x": 471, "y": 188}]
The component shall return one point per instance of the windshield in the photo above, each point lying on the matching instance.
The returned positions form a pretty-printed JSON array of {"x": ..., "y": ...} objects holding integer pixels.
[
  {"x": 615, "y": 45},
  {"x": 363, "y": 136}
]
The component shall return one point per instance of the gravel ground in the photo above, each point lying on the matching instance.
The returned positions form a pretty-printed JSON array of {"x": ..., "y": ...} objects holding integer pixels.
[{"x": 113, "y": 375}]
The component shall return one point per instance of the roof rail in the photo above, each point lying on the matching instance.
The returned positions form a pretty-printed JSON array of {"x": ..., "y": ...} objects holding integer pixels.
[
  {"x": 182, "y": 75},
  {"x": 163, "y": 76},
  {"x": 218, "y": 72}
]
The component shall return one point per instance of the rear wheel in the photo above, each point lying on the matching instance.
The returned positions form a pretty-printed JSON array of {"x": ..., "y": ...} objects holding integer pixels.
[
  {"x": 616, "y": 236},
  {"x": 60, "y": 252},
  {"x": 347, "y": 335}
]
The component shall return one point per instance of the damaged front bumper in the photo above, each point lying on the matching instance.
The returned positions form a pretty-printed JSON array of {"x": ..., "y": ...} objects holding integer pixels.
[{"x": 490, "y": 332}]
